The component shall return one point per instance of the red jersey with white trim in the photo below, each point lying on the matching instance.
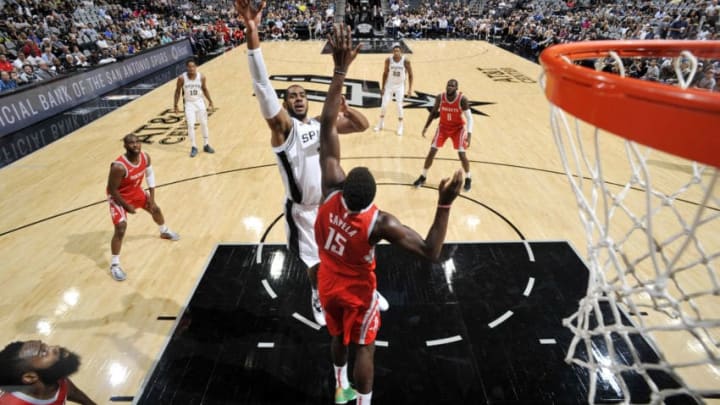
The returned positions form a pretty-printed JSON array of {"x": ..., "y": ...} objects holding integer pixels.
[
  {"x": 134, "y": 174},
  {"x": 18, "y": 398},
  {"x": 343, "y": 238},
  {"x": 451, "y": 113}
]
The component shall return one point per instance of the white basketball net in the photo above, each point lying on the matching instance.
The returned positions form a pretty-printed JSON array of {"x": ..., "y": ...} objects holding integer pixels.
[{"x": 653, "y": 248}]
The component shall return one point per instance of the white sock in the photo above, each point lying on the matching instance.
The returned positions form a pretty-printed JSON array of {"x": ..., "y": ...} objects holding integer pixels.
[
  {"x": 364, "y": 399},
  {"x": 315, "y": 293},
  {"x": 115, "y": 260},
  {"x": 424, "y": 173},
  {"x": 467, "y": 174},
  {"x": 163, "y": 228},
  {"x": 341, "y": 379}
]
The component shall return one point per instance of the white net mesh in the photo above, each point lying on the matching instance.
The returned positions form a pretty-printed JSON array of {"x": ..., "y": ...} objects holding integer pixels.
[{"x": 653, "y": 251}]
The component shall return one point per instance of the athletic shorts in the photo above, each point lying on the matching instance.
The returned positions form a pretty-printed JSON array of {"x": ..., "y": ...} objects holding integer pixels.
[
  {"x": 194, "y": 111},
  {"x": 137, "y": 198},
  {"x": 457, "y": 135},
  {"x": 300, "y": 231},
  {"x": 351, "y": 307}
]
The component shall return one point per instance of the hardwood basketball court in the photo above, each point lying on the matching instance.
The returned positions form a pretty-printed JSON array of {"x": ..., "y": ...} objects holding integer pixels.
[{"x": 55, "y": 228}]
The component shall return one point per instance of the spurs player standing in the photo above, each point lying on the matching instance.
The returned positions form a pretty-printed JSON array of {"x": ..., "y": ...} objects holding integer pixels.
[
  {"x": 193, "y": 86},
  {"x": 397, "y": 68}
]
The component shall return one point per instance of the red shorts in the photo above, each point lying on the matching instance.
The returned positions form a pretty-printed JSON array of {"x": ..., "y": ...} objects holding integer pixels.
[
  {"x": 456, "y": 134},
  {"x": 351, "y": 307},
  {"x": 137, "y": 198}
]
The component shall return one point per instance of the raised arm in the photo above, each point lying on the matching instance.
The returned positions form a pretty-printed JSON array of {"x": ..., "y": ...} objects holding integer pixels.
[
  {"x": 343, "y": 54},
  {"x": 391, "y": 229},
  {"x": 434, "y": 113},
  {"x": 277, "y": 117}
]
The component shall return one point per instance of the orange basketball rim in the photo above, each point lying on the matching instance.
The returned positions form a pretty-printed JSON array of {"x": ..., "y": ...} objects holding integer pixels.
[{"x": 683, "y": 122}]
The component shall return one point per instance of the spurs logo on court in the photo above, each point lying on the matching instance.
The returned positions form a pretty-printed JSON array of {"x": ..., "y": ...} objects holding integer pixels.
[{"x": 365, "y": 93}]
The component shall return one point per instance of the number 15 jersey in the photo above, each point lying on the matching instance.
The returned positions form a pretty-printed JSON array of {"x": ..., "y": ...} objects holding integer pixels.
[{"x": 343, "y": 238}]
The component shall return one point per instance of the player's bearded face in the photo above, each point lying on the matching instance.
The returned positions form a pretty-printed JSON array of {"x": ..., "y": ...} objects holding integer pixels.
[
  {"x": 67, "y": 364},
  {"x": 298, "y": 111},
  {"x": 296, "y": 102}
]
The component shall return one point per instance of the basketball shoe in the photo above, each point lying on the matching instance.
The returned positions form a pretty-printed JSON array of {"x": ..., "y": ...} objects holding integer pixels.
[
  {"x": 468, "y": 184},
  {"x": 193, "y": 152},
  {"x": 208, "y": 149},
  {"x": 343, "y": 396},
  {"x": 117, "y": 273},
  {"x": 170, "y": 235},
  {"x": 420, "y": 181}
]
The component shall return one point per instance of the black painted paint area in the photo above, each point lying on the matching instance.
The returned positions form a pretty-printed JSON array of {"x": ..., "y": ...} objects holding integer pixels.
[{"x": 213, "y": 356}]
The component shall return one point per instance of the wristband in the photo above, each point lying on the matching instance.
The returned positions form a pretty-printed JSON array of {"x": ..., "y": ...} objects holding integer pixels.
[
  {"x": 339, "y": 72},
  {"x": 444, "y": 206}
]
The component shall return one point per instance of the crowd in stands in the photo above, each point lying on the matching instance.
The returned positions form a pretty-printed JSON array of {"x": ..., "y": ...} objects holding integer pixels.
[{"x": 42, "y": 39}]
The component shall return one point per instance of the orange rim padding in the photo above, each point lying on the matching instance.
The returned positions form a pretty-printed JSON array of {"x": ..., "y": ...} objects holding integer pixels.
[{"x": 681, "y": 122}]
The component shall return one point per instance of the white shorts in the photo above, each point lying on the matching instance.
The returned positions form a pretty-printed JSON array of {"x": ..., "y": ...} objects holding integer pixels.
[
  {"x": 194, "y": 111},
  {"x": 300, "y": 231}
]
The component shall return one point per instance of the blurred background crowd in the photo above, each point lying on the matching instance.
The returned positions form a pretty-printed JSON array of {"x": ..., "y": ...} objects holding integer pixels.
[{"x": 42, "y": 39}]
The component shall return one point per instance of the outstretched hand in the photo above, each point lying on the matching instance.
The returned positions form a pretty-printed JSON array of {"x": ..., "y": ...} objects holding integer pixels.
[
  {"x": 340, "y": 41},
  {"x": 450, "y": 188},
  {"x": 248, "y": 12}
]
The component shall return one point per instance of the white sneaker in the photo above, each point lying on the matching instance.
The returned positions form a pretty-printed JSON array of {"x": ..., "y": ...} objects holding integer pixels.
[
  {"x": 378, "y": 127},
  {"x": 317, "y": 310},
  {"x": 170, "y": 235},
  {"x": 400, "y": 130},
  {"x": 382, "y": 302},
  {"x": 117, "y": 273}
]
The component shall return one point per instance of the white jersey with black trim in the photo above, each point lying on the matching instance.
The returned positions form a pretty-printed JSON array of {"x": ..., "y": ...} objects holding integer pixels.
[
  {"x": 299, "y": 162},
  {"x": 396, "y": 72},
  {"x": 192, "y": 89}
]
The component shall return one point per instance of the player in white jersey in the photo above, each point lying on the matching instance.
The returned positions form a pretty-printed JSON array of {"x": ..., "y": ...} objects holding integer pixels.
[
  {"x": 193, "y": 86},
  {"x": 397, "y": 68},
  {"x": 295, "y": 140}
]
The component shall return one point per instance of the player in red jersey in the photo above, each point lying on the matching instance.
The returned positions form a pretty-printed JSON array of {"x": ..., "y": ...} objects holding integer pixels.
[
  {"x": 347, "y": 228},
  {"x": 34, "y": 373},
  {"x": 125, "y": 194},
  {"x": 450, "y": 107}
]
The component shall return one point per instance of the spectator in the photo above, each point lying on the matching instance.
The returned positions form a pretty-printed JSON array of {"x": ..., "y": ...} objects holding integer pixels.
[
  {"x": 707, "y": 81},
  {"x": 6, "y": 82},
  {"x": 653, "y": 71},
  {"x": 44, "y": 72},
  {"x": 20, "y": 61},
  {"x": 28, "y": 75},
  {"x": 5, "y": 65}
]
